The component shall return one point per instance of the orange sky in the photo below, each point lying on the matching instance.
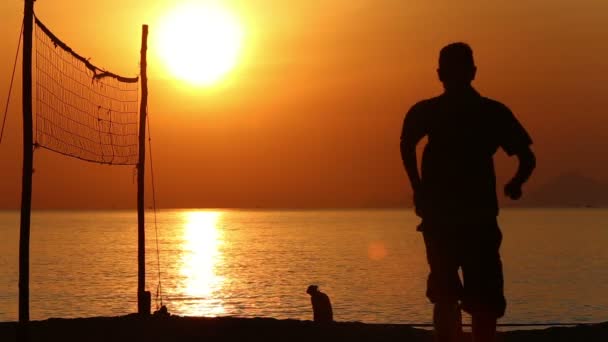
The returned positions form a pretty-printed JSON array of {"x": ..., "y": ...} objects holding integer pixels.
[{"x": 311, "y": 116}]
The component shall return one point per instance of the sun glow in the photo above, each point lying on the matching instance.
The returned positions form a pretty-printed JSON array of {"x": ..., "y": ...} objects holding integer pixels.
[{"x": 199, "y": 42}]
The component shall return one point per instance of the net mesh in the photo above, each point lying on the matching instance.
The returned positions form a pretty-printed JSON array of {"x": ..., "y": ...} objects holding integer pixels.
[{"x": 83, "y": 111}]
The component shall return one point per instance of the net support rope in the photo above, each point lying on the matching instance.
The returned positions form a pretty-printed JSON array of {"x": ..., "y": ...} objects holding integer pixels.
[
  {"x": 83, "y": 111},
  {"x": 159, "y": 296},
  {"x": 10, "y": 87}
]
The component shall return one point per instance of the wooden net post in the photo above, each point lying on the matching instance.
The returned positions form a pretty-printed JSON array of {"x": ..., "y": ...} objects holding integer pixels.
[
  {"x": 143, "y": 297},
  {"x": 28, "y": 161}
]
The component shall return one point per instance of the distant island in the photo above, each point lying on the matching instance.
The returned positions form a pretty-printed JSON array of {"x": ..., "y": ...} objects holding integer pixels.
[{"x": 569, "y": 190}]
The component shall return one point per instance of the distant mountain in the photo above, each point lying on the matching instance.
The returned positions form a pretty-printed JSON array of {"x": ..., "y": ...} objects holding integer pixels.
[{"x": 569, "y": 190}]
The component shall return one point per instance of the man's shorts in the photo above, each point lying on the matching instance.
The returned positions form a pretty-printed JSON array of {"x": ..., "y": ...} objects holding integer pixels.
[{"x": 474, "y": 248}]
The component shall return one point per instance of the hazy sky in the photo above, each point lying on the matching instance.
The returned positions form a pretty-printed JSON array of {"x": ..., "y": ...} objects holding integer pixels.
[{"x": 312, "y": 114}]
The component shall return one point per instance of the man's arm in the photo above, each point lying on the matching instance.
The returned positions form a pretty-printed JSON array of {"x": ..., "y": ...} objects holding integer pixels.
[
  {"x": 527, "y": 163},
  {"x": 515, "y": 141},
  {"x": 413, "y": 131},
  {"x": 410, "y": 162}
]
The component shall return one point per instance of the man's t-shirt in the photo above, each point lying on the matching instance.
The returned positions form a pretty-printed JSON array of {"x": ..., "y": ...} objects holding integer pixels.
[
  {"x": 321, "y": 306},
  {"x": 464, "y": 132}
]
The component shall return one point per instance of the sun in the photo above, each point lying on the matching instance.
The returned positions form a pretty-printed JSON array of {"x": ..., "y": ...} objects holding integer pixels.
[{"x": 199, "y": 42}]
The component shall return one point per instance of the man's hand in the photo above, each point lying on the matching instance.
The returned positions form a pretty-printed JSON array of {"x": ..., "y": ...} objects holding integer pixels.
[
  {"x": 513, "y": 190},
  {"x": 527, "y": 163}
]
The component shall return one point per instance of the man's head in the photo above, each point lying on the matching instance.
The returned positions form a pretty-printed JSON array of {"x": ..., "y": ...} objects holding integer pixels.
[
  {"x": 456, "y": 66},
  {"x": 312, "y": 289}
]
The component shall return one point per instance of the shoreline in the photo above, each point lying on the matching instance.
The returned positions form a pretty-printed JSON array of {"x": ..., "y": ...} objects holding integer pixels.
[{"x": 177, "y": 328}]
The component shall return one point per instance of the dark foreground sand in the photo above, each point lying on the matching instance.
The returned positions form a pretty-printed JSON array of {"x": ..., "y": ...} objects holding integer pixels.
[{"x": 131, "y": 328}]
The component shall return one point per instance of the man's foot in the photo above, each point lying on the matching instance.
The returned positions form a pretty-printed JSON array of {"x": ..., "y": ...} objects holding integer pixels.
[{"x": 447, "y": 320}]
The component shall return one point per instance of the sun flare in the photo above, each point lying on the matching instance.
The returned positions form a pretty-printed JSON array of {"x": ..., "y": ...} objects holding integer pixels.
[{"x": 199, "y": 42}]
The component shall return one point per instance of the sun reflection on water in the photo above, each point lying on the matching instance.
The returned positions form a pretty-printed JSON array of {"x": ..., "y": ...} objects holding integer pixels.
[{"x": 201, "y": 284}]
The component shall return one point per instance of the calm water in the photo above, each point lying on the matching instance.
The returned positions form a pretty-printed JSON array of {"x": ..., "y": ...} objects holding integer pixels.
[{"x": 259, "y": 263}]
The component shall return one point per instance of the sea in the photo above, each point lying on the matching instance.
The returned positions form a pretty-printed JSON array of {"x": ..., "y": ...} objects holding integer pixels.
[{"x": 258, "y": 263}]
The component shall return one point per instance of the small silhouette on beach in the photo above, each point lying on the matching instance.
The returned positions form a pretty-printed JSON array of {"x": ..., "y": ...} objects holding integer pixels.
[
  {"x": 321, "y": 305},
  {"x": 455, "y": 194}
]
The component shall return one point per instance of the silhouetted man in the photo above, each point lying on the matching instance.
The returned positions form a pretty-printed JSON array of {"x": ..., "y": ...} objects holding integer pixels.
[
  {"x": 321, "y": 306},
  {"x": 455, "y": 193}
]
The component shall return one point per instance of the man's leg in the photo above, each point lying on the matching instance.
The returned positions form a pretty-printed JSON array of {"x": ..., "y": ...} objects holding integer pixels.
[
  {"x": 447, "y": 321},
  {"x": 443, "y": 286},
  {"x": 483, "y": 282},
  {"x": 484, "y": 328}
]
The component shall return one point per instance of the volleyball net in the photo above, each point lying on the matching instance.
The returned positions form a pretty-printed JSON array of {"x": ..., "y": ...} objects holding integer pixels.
[{"x": 81, "y": 110}]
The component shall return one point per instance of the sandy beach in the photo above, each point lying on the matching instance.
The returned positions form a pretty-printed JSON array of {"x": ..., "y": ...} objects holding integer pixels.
[{"x": 174, "y": 328}]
